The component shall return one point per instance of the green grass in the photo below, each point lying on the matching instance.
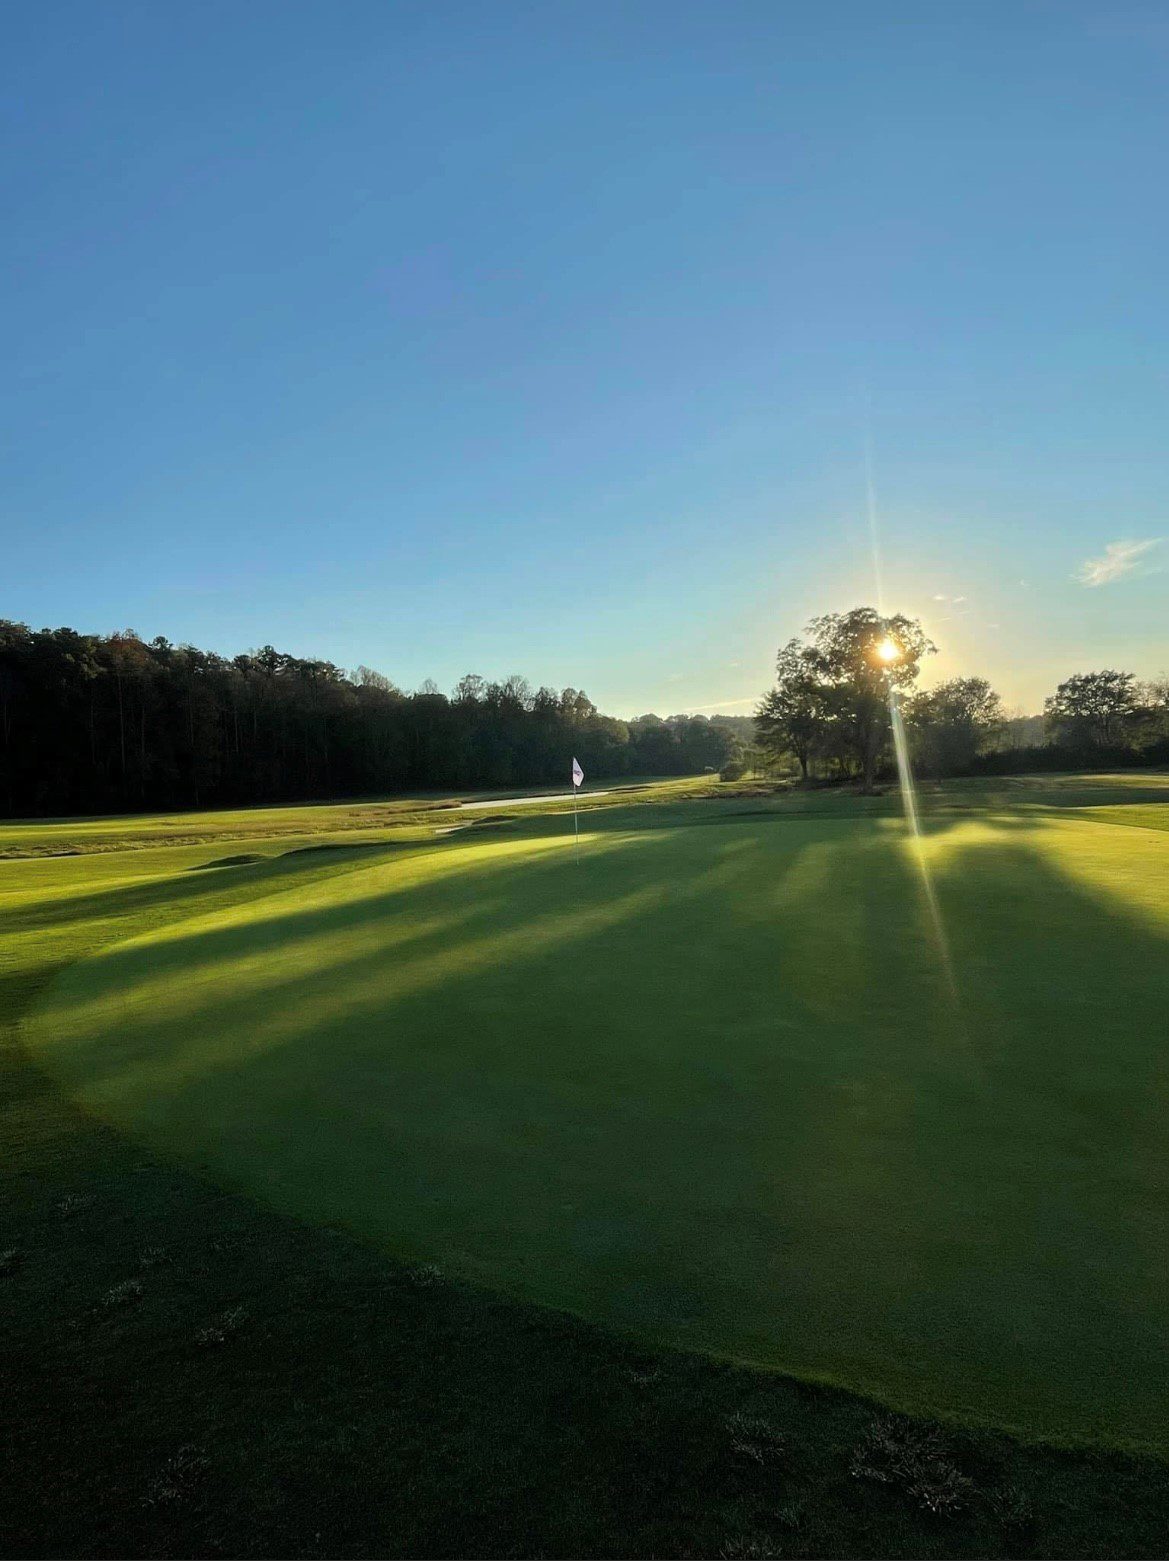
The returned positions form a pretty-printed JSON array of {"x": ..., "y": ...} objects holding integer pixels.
[
  {"x": 708, "y": 1087},
  {"x": 370, "y": 818}
]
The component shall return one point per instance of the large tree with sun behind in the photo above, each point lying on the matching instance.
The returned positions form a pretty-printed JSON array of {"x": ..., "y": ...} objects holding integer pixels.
[{"x": 833, "y": 692}]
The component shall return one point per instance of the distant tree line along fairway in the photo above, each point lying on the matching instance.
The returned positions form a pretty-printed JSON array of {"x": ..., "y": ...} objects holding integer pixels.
[
  {"x": 112, "y": 723},
  {"x": 92, "y": 723}
]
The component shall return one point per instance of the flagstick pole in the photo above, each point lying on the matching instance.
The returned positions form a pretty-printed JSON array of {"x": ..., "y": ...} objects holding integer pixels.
[{"x": 575, "y": 821}]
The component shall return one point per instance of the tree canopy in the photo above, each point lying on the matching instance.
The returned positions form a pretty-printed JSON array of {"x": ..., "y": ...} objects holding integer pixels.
[
  {"x": 1093, "y": 707},
  {"x": 951, "y": 724},
  {"x": 833, "y": 689},
  {"x": 831, "y": 705}
]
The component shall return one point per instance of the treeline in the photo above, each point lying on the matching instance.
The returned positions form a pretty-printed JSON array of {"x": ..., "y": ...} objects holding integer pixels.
[
  {"x": 839, "y": 689},
  {"x": 106, "y": 723},
  {"x": 1094, "y": 720}
]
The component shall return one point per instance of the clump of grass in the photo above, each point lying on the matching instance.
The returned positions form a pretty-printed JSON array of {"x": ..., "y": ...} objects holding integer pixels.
[
  {"x": 177, "y": 1478},
  {"x": 424, "y": 1275},
  {"x": 750, "y": 1547},
  {"x": 912, "y": 1459},
  {"x": 74, "y": 1203},
  {"x": 125, "y": 1294},
  {"x": 223, "y": 1328},
  {"x": 153, "y": 1257},
  {"x": 793, "y": 1515},
  {"x": 755, "y": 1439},
  {"x": 10, "y": 1260},
  {"x": 1012, "y": 1506},
  {"x": 942, "y": 1489}
]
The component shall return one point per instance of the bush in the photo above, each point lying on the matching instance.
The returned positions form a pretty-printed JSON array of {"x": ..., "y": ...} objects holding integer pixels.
[{"x": 733, "y": 770}]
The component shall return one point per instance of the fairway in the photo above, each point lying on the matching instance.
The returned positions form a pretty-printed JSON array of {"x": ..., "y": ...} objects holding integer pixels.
[{"x": 721, "y": 1081}]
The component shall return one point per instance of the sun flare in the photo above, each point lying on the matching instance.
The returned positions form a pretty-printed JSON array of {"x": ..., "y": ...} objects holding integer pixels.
[{"x": 889, "y": 650}]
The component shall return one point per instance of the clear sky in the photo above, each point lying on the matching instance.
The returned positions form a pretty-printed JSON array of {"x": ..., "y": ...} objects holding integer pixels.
[{"x": 547, "y": 338}]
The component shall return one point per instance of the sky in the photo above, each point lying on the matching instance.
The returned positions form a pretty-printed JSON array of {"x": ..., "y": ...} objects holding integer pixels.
[{"x": 562, "y": 339}]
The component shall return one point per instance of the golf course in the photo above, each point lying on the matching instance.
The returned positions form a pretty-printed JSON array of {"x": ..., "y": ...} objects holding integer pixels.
[{"x": 755, "y": 1075}]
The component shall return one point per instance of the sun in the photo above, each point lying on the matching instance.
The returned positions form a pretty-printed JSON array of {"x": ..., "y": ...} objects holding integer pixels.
[{"x": 889, "y": 650}]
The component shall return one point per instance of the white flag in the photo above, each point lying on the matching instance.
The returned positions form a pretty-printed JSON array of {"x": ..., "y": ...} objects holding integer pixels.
[{"x": 577, "y": 773}]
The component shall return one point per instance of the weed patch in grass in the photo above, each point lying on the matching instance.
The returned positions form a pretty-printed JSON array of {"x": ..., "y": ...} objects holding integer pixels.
[
  {"x": 754, "y": 1440},
  {"x": 177, "y": 1480},
  {"x": 912, "y": 1460},
  {"x": 128, "y": 1293},
  {"x": 223, "y": 1328}
]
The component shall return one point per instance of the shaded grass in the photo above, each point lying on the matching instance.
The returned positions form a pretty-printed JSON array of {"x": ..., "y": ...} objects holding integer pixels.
[
  {"x": 364, "y": 1414},
  {"x": 360, "y": 1411},
  {"x": 656, "y": 1090}
]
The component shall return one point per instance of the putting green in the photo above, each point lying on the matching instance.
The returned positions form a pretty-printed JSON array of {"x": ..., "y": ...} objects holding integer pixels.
[{"x": 711, "y": 1083}]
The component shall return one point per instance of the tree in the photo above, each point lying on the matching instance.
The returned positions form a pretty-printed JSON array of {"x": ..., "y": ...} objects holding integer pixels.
[
  {"x": 1154, "y": 698},
  {"x": 469, "y": 689},
  {"x": 366, "y": 677},
  {"x": 951, "y": 724},
  {"x": 1093, "y": 709},
  {"x": 792, "y": 716},
  {"x": 837, "y": 685},
  {"x": 866, "y": 660}
]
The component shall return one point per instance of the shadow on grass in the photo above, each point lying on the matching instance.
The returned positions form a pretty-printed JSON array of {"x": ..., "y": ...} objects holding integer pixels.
[
  {"x": 362, "y": 1414},
  {"x": 246, "y": 860},
  {"x": 655, "y": 1088}
]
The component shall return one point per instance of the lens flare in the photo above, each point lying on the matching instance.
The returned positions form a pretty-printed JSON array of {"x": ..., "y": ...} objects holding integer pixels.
[
  {"x": 913, "y": 820},
  {"x": 888, "y": 651}
]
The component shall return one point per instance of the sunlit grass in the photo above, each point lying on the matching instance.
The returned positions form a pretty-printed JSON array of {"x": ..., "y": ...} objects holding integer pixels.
[{"x": 711, "y": 1084}]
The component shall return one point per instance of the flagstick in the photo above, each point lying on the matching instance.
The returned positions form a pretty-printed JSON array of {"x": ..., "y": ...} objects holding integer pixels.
[{"x": 576, "y": 776}]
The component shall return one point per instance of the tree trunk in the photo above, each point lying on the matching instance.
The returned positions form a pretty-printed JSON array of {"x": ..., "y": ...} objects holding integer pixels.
[{"x": 122, "y": 734}]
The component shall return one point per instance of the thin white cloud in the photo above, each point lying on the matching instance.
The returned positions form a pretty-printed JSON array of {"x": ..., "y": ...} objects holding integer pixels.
[
  {"x": 726, "y": 704},
  {"x": 1117, "y": 560}
]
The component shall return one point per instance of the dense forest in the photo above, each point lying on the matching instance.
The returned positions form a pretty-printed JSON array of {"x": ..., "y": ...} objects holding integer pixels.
[{"x": 100, "y": 723}]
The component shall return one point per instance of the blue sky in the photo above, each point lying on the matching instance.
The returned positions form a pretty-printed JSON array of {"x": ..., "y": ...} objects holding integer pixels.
[{"x": 548, "y": 338}]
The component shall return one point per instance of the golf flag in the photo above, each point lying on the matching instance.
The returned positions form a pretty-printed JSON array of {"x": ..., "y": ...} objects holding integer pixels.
[{"x": 577, "y": 773}]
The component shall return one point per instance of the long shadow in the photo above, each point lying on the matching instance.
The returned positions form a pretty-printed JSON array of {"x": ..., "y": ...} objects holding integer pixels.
[
  {"x": 247, "y": 859},
  {"x": 475, "y": 905},
  {"x": 253, "y": 871},
  {"x": 273, "y": 872},
  {"x": 849, "y": 1057},
  {"x": 184, "y": 887},
  {"x": 404, "y": 917},
  {"x": 832, "y": 1167}
]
